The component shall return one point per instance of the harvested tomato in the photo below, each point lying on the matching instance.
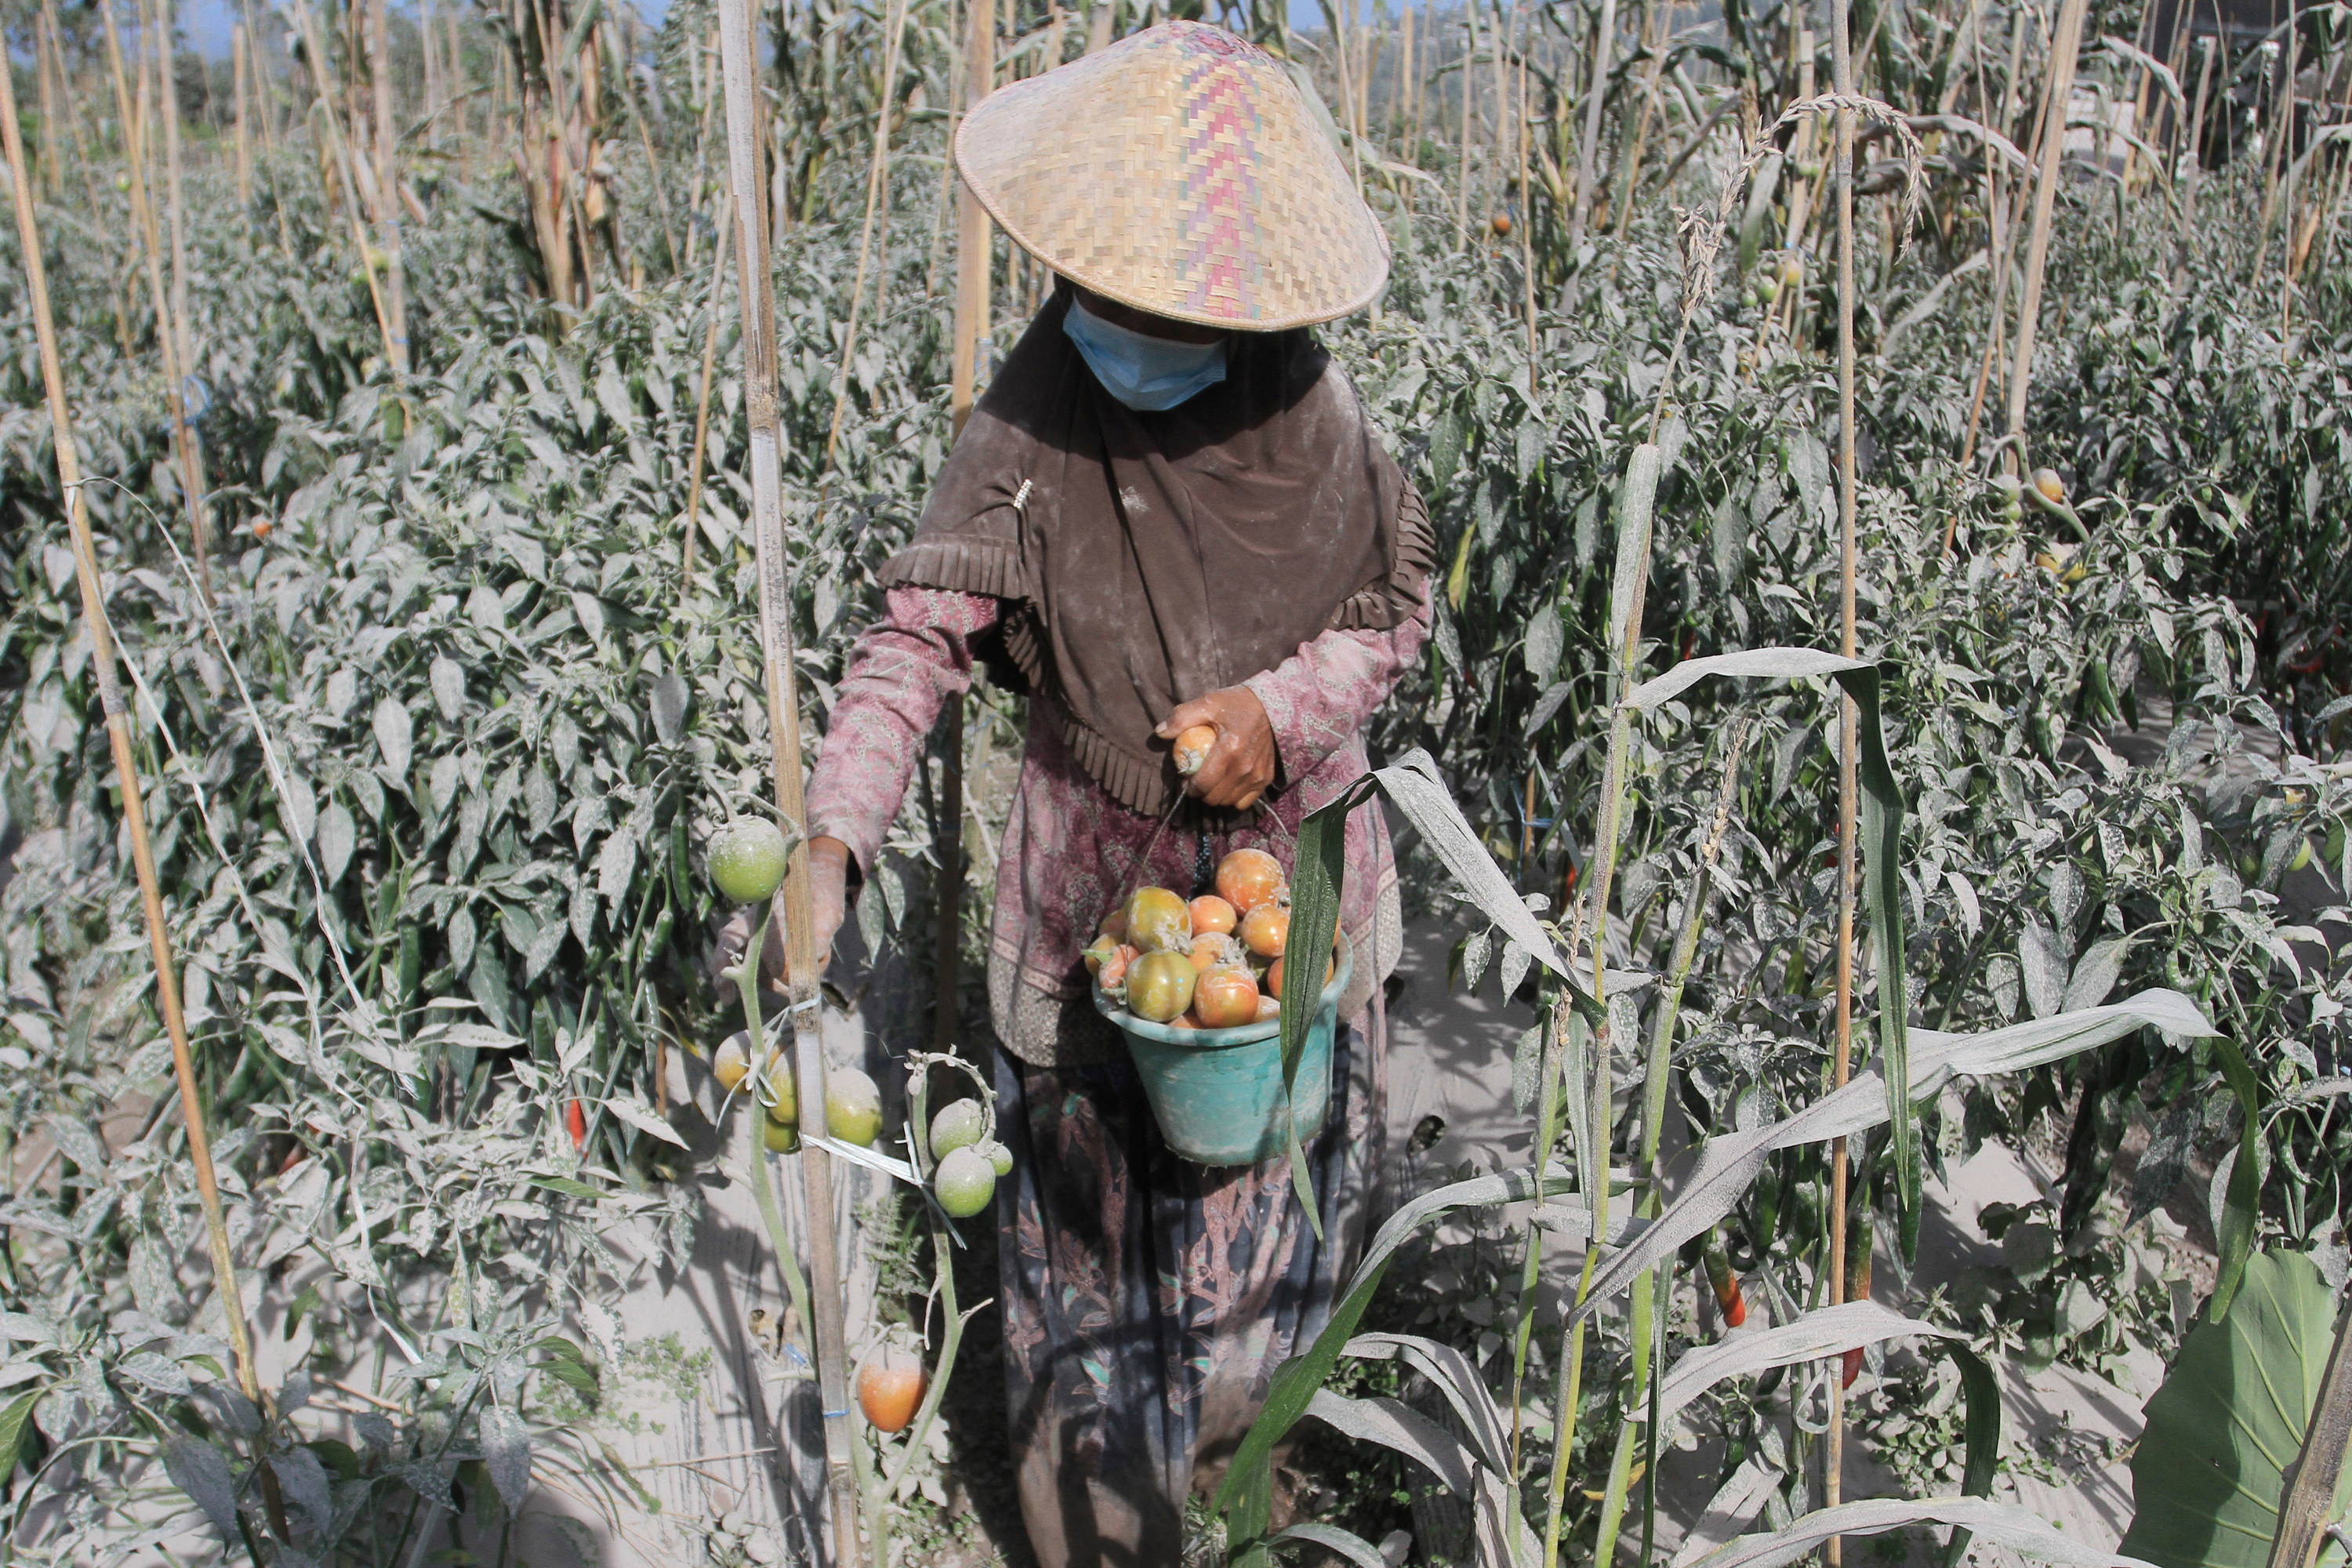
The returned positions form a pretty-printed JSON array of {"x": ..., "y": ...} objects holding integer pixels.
[
  {"x": 1158, "y": 921},
  {"x": 1212, "y": 951},
  {"x": 1113, "y": 925},
  {"x": 891, "y": 1389},
  {"x": 1101, "y": 950},
  {"x": 1274, "y": 976},
  {"x": 1224, "y": 998},
  {"x": 1248, "y": 878},
  {"x": 1213, "y": 914},
  {"x": 1267, "y": 929},
  {"x": 1193, "y": 749},
  {"x": 1160, "y": 985},
  {"x": 1269, "y": 1007}
]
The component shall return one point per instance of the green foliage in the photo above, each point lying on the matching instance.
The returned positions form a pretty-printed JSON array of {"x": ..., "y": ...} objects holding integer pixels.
[{"x": 2229, "y": 1422}]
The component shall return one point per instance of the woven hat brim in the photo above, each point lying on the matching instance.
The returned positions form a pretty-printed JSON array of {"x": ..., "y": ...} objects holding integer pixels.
[{"x": 1299, "y": 247}]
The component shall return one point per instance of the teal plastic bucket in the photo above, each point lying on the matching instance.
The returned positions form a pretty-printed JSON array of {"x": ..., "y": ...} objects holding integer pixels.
[{"x": 1217, "y": 1093}]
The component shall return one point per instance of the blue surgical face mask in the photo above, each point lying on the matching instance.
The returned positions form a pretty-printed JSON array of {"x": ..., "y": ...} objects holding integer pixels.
[{"x": 1145, "y": 373}]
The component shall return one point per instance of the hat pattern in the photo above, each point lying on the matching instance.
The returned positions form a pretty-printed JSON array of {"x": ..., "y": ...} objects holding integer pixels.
[{"x": 1182, "y": 171}]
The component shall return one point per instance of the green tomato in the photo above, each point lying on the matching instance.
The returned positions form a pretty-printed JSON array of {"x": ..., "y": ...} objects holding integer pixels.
[
  {"x": 780, "y": 1137},
  {"x": 957, "y": 1126},
  {"x": 747, "y": 859},
  {"x": 853, "y": 1107},
  {"x": 998, "y": 1155},
  {"x": 965, "y": 1182}
]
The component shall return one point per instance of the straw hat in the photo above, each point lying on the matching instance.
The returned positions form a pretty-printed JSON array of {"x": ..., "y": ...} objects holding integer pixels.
[{"x": 1182, "y": 171}]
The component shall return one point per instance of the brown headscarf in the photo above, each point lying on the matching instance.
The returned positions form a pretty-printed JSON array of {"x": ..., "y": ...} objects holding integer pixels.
[{"x": 1152, "y": 558}]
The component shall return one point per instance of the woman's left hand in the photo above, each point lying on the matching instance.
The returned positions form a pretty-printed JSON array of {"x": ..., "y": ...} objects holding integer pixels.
[{"x": 1241, "y": 764}]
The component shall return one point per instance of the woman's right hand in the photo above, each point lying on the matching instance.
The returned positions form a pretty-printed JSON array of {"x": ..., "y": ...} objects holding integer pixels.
[{"x": 829, "y": 891}]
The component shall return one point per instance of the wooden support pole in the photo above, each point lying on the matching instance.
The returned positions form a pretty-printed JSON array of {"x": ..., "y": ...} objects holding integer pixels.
[
  {"x": 1596, "y": 89},
  {"x": 142, "y": 211},
  {"x": 2060, "y": 89},
  {"x": 764, "y": 461},
  {"x": 974, "y": 235},
  {"x": 387, "y": 194},
  {"x": 244, "y": 141}
]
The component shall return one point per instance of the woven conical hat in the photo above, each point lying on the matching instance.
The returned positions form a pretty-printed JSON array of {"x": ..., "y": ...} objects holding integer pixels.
[{"x": 1181, "y": 172}]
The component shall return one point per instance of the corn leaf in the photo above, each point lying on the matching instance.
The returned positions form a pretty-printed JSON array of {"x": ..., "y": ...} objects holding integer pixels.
[
  {"x": 1818, "y": 1334},
  {"x": 2002, "y": 1524},
  {"x": 1732, "y": 1160}
]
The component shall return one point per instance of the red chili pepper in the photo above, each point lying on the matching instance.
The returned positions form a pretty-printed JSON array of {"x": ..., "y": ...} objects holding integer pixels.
[
  {"x": 575, "y": 1117},
  {"x": 1852, "y": 1366},
  {"x": 1727, "y": 1287}
]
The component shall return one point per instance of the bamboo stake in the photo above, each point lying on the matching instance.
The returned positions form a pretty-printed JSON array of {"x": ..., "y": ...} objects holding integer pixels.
[
  {"x": 1404, "y": 99},
  {"x": 1595, "y": 90},
  {"x": 1338, "y": 19},
  {"x": 454, "y": 68},
  {"x": 973, "y": 234},
  {"x": 1462, "y": 202},
  {"x": 1505, "y": 130},
  {"x": 1527, "y": 244},
  {"x": 323, "y": 104},
  {"x": 244, "y": 142},
  {"x": 1629, "y": 181},
  {"x": 47, "y": 164},
  {"x": 178, "y": 198},
  {"x": 878, "y": 198},
  {"x": 758, "y": 294},
  {"x": 1801, "y": 190},
  {"x": 90, "y": 184},
  {"x": 2058, "y": 90},
  {"x": 702, "y": 401},
  {"x": 387, "y": 204},
  {"x": 1849, "y": 721},
  {"x": 2285, "y": 140},
  {"x": 142, "y": 211},
  {"x": 118, "y": 732}
]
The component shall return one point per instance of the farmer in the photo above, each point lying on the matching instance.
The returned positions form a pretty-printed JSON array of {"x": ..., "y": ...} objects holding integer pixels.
[{"x": 1168, "y": 511}]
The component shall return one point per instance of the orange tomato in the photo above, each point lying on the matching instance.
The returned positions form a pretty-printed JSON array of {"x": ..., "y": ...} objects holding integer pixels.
[
  {"x": 1274, "y": 976},
  {"x": 1267, "y": 929},
  {"x": 1213, "y": 914},
  {"x": 891, "y": 1389},
  {"x": 1193, "y": 749},
  {"x": 1224, "y": 998},
  {"x": 1248, "y": 878},
  {"x": 1215, "y": 951}
]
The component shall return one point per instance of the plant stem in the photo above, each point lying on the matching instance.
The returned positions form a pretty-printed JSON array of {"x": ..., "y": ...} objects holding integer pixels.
[
  {"x": 702, "y": 401},
  {"x": 1849, "y": 721}
]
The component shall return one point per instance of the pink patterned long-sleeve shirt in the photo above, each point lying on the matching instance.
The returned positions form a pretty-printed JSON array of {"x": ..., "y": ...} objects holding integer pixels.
[{"x": 1069, "y": 852}]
